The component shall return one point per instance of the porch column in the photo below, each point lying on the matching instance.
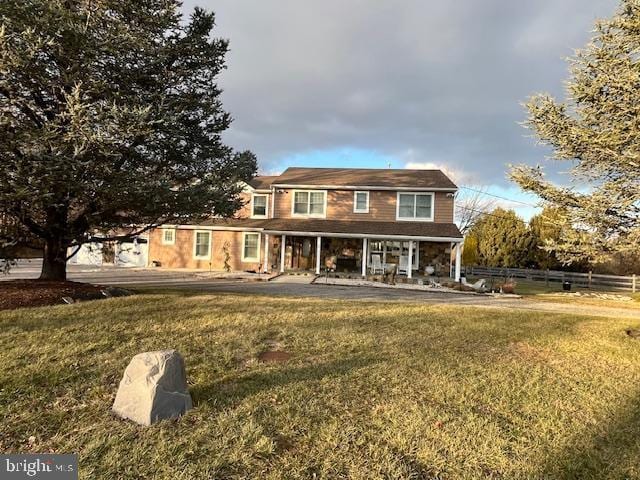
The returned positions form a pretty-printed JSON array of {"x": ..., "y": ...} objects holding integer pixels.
[
  {"x": 364, "y": 257},
  {"x": 318, "y": 247},
  {"x": 266, "y": 253},
  {"x": 451, "y": 259},
  {"x": 458, "y": 260},
  {"x": 283, "y": 245},
  {"x": 410, "y": 260}
]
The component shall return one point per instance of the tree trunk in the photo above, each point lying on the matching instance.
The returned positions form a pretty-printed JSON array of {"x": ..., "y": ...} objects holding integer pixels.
[{"x": 54, "y": 260}]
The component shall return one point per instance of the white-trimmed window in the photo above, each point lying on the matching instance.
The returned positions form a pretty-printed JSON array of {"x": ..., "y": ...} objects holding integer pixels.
[
  {"x": 360, "y": 202},
  {"x": 202, "y": 244},
  {"x": 251, "y": 247},
  {"x": 259, "y": 206},
  {"x": 168, "y": 236},
  {"x": 415, "y": 206},
  {"x": 309, "y": 203}
]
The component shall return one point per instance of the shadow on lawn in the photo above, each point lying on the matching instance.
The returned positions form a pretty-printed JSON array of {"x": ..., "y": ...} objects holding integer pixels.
[
  {"x": 478, "y": 337},
  {"x": 236, "y": 390},
  {"x": 605, "y": 451}
]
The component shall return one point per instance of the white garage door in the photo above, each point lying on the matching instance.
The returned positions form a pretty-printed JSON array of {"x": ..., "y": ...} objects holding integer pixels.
[
  {"x": 132, "y": 254},
  {"x": 88, "y": 254}
]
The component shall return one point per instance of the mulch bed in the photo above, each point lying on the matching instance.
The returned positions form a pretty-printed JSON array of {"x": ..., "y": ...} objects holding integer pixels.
[{"x": 38, "y": 293}]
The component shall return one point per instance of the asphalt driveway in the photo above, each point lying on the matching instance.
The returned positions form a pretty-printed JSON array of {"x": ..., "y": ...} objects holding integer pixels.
[{"x": 296, "y": 286}]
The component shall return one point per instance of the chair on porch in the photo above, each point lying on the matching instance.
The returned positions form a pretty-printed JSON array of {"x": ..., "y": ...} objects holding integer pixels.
[
  {"x": 376, "y": 265},
  {"x": 403, "y": 268}
]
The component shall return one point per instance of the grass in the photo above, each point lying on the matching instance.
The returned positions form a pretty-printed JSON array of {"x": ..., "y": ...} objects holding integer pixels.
[
  {"x": 540, "y": 291},
  {"x": 372, "y": 390},
  {"x": 535, "y": 287},
  {"x": 632, "y": 304}
]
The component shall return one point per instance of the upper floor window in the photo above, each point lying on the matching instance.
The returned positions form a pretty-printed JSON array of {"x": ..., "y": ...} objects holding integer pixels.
[
  {"x": 361, "y": 202},
  {"x": 168, "y": 236},
  {"x": 309, "y": 203},
  {"x": 415, "y": 206},
  {"x": 259, "y": 206}
]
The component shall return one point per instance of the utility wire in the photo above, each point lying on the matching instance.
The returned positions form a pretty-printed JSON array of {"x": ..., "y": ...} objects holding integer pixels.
[
  {"x": 500, "y": 197},
  {"x": 482, "y": 212},
  {"x": 547, "y": 220}
]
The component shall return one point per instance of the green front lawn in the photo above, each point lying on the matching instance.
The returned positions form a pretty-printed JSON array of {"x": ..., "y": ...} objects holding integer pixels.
[{"x": 372, "y": 390}]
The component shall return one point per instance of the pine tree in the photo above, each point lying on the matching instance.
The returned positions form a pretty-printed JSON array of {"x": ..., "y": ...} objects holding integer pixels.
[
  {"x": 546, "y": 229},
  {"x": 110, "y": 117},
  {"x": 597, "y": 130},
  {"x": 503, "y": 240}
]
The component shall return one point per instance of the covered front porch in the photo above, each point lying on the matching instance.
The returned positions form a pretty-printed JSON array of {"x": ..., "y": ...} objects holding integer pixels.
[{"x": 363, "y": 255}]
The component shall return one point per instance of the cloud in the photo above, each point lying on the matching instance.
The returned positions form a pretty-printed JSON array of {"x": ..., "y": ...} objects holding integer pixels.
[
  {"x": 444, "y": 80},
  {"x": 456, "y": 175}
]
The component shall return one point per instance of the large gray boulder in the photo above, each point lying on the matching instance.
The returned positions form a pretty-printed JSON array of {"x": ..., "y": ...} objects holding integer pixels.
[{"x": 153, "y": 388}]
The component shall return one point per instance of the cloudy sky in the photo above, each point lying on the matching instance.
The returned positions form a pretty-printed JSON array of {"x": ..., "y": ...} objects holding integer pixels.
[{"x": 406, "y": 83}]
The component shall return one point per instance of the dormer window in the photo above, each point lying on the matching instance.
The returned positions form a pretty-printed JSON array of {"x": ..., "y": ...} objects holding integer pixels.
[
  {"x": 259, "y": 206},
  {"x": 415, "y": 206},
  {"x": 361, "y": 202}
]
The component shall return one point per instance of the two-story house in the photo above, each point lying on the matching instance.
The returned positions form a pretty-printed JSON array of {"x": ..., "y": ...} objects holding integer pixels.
[{"x": 350, "y": 220}]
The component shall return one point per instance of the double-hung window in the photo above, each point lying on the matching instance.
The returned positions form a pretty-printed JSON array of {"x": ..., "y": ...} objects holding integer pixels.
[
  {"x": 168, "y": 236},
  {"x": 361, "y": 202},
  {"x": 201, "y": 245},
  {"x": 259, "y": 206},
  {"x": 251, "y": 247},
  {"x": 415, "y": 206},
  {"x": 309, "y": 203}
]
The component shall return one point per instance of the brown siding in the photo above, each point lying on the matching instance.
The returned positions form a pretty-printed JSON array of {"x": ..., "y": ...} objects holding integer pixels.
[
  {"x": 444, "y": 207},
  {"x": 382, "y": 206},
  {"x": 180, "y": 254}
]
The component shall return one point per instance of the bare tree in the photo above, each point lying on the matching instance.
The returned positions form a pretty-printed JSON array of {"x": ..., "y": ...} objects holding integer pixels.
[{"x": 471, "y": 204}]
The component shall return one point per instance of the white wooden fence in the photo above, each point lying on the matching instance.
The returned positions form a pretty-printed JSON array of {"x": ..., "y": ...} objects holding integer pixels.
[{"x": 587, "y": 280}]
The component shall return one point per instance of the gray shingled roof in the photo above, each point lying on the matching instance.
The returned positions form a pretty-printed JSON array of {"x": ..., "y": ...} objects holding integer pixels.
[
  {"x": 361, "y": 177},
  {"x": 409, "y": 229},
  {"x": 383, "y": 229},
  {"x": 262, "y": 182}
]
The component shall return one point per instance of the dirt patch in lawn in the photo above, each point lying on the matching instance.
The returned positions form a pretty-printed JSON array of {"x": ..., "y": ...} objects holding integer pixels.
[
  {"x": 274, "y": 356},
  {"x": 37, "y": 293}
]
